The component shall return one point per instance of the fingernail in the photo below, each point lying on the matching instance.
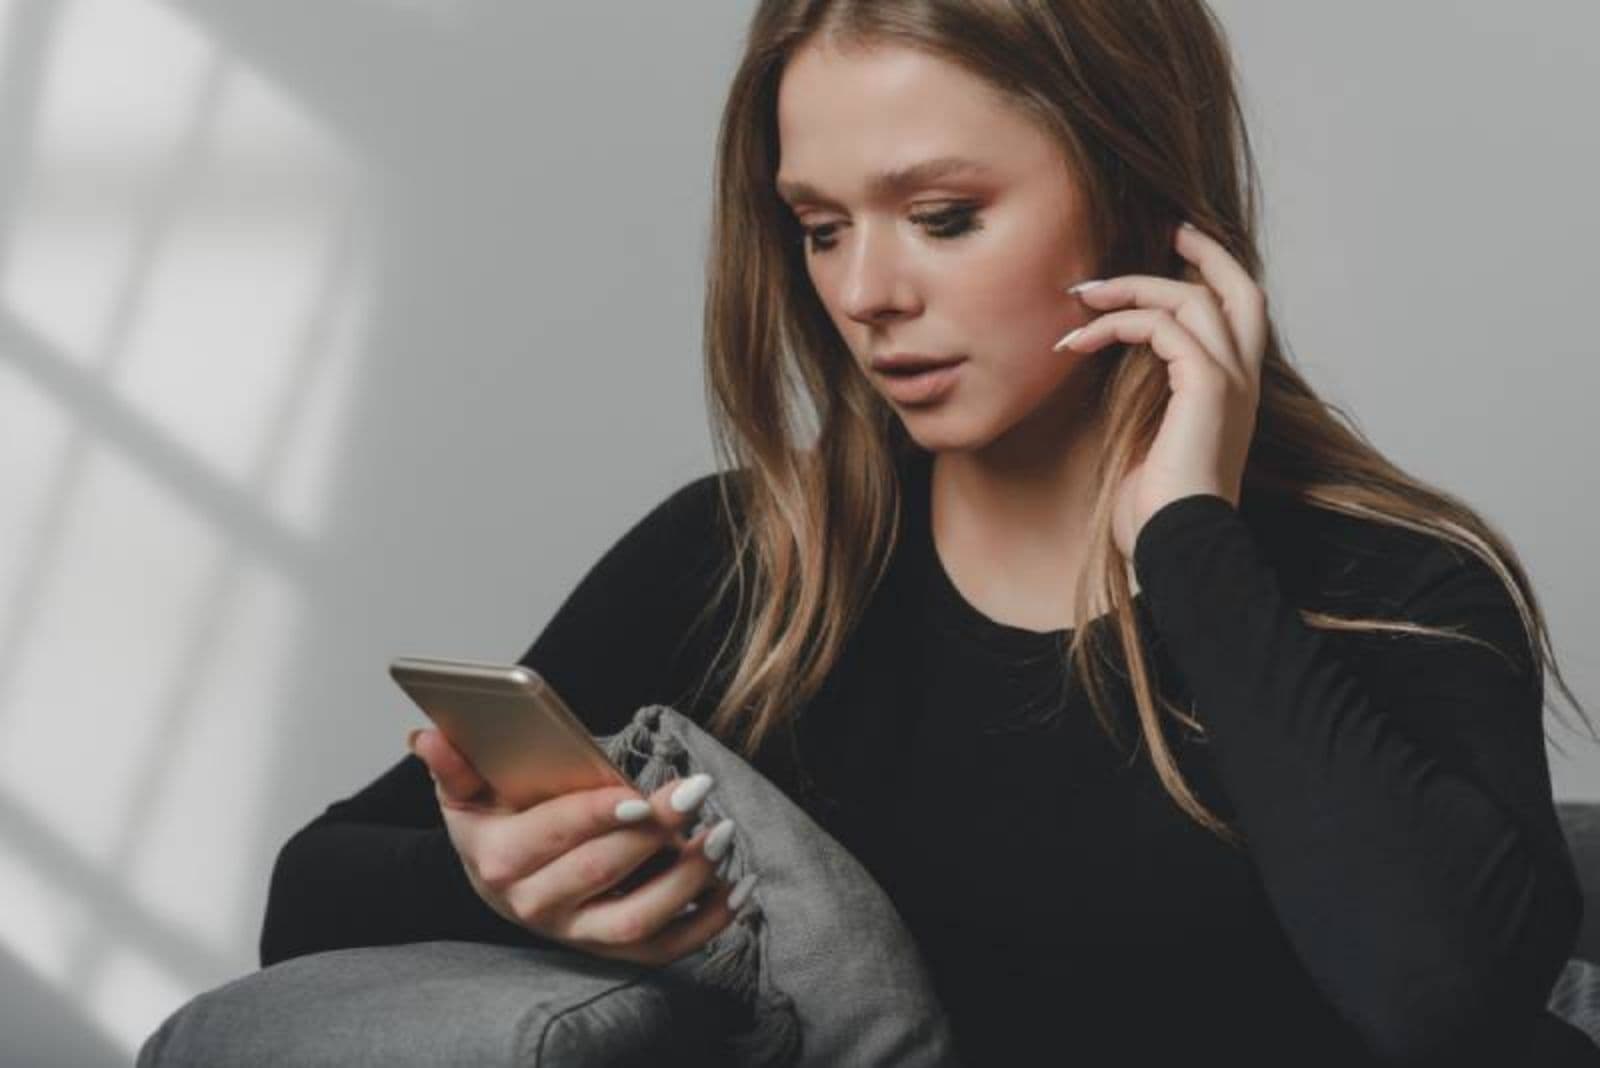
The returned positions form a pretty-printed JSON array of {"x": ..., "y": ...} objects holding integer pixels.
[
  {"x": 718, "y": 840},
  {"x": 690, "y": 792},
  {"x": 411, "y": 740},
  {"x": 632, "y": 810},
  {"x": 1090, "y": 284},
  {"x": 1187, "y": 225},
  {"x": 741, "y": 891},
  {"x": 1064, "y": 342}
]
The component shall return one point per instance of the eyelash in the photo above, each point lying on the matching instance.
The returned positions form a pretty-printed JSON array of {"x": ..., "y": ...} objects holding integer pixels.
[{"x": 950, "y": 224}]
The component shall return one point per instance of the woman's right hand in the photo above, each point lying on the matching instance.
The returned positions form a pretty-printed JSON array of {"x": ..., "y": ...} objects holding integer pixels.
[{"x": 549, "y": 868}]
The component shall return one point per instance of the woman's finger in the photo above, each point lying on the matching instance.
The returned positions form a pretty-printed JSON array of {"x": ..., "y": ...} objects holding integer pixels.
[
  {"x": 1168, "y": 338},
  {"x": 456, "y": 780},
  {"x": 570, "y": 847},
  {"x": 1243, "y": 301},
  {"x": 649, "y": 909},
  {"x": 1191, "y": 303},
  {"x": 681, "y": 936},
  {"x": 548, "y": 894},
  {"x": 508, "y": 849}
]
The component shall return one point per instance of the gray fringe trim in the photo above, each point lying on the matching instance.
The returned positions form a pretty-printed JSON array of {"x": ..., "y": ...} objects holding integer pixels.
[{"x": 769, "y": 1037}]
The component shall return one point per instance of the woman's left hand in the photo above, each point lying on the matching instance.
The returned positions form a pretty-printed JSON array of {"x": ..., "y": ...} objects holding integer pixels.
[{"x": 1213, "y": 334}]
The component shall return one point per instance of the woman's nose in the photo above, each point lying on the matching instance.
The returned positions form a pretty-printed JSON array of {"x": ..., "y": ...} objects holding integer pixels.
[{"x": 874, "y": 281}]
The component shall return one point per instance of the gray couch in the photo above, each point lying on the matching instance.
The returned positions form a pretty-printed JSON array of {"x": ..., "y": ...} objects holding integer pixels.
[{"x": 450, "y": 1002}]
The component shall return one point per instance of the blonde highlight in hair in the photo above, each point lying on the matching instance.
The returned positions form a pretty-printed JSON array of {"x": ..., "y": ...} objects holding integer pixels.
[{"x": 1141, "y": 97}]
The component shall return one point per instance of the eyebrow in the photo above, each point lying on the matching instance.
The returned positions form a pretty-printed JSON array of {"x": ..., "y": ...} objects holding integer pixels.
[{"x": 890, "y": 183}]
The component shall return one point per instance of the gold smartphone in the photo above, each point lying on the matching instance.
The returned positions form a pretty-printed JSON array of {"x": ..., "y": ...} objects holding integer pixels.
[
  {"x": 519, "y": 735},
  {"x": 510, "y": 723}
]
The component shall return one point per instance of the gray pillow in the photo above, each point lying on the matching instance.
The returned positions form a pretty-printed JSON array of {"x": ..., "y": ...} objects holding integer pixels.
[
  {"x": 816, "y": 970},
  {"x": 1575, "y": 999},
  {"x": 430, "y": 1003},
  {"x": 823, "y": 962}
]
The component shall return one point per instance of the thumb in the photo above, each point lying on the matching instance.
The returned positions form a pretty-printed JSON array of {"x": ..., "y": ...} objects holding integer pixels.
[{"x": 457, "y": 780}]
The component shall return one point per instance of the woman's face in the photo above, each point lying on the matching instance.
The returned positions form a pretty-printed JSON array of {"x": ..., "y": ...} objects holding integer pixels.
[{"x": 969, "y": 263}]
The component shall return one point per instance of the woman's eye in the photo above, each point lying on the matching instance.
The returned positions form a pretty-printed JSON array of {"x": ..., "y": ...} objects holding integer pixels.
[{"x": 941, "y": 225}]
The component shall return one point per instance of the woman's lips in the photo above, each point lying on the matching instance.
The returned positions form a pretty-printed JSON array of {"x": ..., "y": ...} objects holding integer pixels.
[{"x": 922, "y": 387}]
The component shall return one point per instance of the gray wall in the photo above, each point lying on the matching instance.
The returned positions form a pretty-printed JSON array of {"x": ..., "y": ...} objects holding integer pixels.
[{"x": 333, "y": 331}]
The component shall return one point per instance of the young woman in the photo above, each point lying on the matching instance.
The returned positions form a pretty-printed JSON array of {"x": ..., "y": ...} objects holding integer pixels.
[{"x": 1174, "y": 718}]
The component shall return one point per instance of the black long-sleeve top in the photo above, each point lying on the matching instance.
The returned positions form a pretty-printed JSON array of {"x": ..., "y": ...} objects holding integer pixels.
[{"x": 1405, "y": 895}]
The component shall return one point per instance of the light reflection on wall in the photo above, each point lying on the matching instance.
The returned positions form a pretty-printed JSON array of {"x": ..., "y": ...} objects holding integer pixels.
[{"x": 185, "y": 277}]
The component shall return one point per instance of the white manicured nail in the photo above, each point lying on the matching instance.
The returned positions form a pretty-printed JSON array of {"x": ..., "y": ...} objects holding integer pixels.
[
  {"x": 632, "y": 810},
  {"x": 1064, "y": 342},
  {"x": 691, "y": 792},
  {"x": 718, "y": 840},
  {"x": 1090, "y": 284},
  {"x": 741, "y": 891}
]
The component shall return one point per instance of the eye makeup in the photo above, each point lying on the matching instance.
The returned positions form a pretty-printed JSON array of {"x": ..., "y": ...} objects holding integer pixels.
[{"x": 944, "y": 225}]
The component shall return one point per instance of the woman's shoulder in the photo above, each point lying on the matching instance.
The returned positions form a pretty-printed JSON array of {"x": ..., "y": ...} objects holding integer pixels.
[
  {"x": 694, "y": 506},
  {"x": 674, "y": 541}
]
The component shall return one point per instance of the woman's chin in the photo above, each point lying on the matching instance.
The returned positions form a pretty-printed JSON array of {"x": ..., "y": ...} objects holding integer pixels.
[{"x": 938, "y": 431}]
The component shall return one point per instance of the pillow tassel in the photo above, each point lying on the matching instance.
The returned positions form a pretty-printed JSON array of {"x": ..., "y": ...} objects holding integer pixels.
[
  {"x": 772, "y": 1037},
  {"x": 652, "y": 756}
]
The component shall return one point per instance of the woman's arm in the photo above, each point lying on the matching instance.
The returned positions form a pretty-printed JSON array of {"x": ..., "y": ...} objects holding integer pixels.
[
  {"x": 1399, "y": 811},
  {"x": 378, "y": 868}
]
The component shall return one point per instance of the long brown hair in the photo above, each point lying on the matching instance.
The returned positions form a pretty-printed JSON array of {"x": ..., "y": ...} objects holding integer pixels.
[{"x": 1141, "y": 96}]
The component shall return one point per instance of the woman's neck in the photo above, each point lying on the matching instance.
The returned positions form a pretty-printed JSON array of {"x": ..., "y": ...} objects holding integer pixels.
[{"x": 1011, "y": 529}]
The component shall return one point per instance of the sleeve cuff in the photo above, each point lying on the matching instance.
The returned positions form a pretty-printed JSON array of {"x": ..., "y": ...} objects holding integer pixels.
[{"x": 1171, "y": 522}]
